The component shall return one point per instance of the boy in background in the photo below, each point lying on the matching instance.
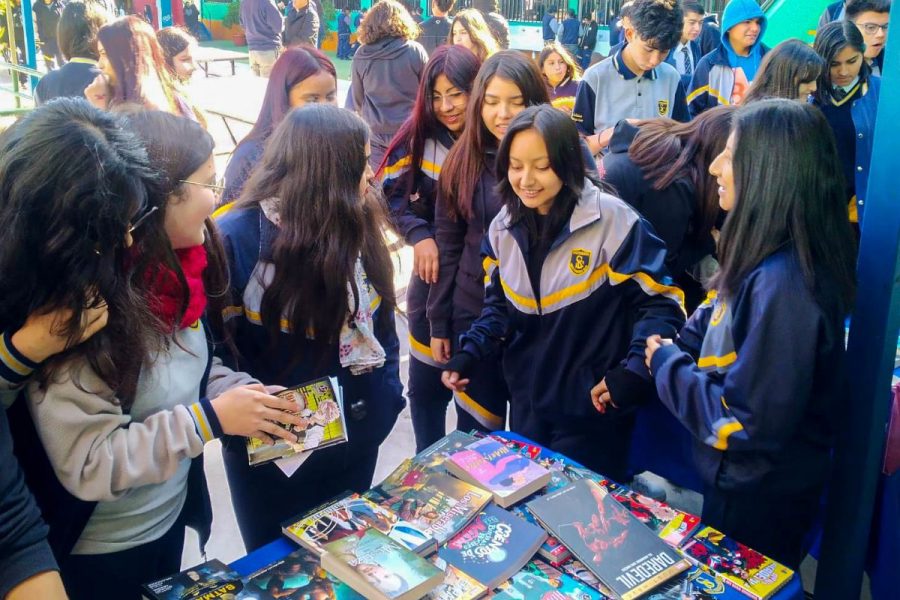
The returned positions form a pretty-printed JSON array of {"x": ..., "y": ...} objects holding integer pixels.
[
  {"x": 685, "y": 56},
  {"x": 633, "y": 83},
  {"x": 871, "y": 18}
]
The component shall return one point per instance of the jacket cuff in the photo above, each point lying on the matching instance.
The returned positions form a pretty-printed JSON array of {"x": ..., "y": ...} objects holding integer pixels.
[
  {"x": 205, "y": 420},
  {"x": 417, "y": 234},
  {"x": 15, "y": 367},
  {"x": 461, "y": 362},
  {"x": 663, "y": 354},
  {"x": 440, "y": 330},
  {"x": 25, "y": 564}
]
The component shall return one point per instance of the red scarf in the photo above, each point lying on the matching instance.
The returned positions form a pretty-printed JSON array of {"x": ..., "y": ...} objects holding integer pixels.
[{"x": 166, "y": 294}]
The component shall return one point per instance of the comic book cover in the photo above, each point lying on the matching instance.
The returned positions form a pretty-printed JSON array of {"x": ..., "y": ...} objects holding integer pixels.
[
  {"x": 509, "y": 476},
  {"x": 320, "y": 405},
  {"x": 540, "y": 581},
  {"x": 551, "y": 550},
  {"x": 297, "y": 576},
  {"x": 432, "y": 458},
  {"x": 494, "y": 546},
  {"x": 619, "y": 550},
  {"x": 673, "y": 526},
  {"x": 694, "y": 585},
  {"x": 349, "y": 515},
  {"x": 737, "y": 565},
  {"x": 212, "y": 579},
  {"x": 439, "y": 505},
  {"x": 378, "y": 567},
  {"x": 456, "y": 585}
]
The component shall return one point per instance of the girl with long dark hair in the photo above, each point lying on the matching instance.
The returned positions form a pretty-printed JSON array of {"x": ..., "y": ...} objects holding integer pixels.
[
  {"x": 466, "y": 203},
  {"x": 312, "y": 295},
  {"x": 107, "y": 429},
  {"x": 302, "y": 75},
  {"x": 661, "y": 168},
  {"x": 178, "y": 48},
  {"x": 848, "y": 95},
  {"x": 133, "y": 70},
  {"x": 575, "y": 284},
  {"x": 757, "y": 373},
  {"x": 409, "y": 177},
  {"x": 470, "y": 30},
  {"x": 790, "y": 70}
]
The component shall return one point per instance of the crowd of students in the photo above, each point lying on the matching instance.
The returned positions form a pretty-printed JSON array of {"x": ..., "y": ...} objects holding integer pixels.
[{"x": 585, "y": 247}]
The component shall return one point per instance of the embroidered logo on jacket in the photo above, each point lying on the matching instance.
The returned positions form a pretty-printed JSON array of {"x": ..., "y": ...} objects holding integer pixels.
[
  {"x": 718, "y": 313},
  {"x": 662, "y": 107},
  {"x": 579, "y": 261}
]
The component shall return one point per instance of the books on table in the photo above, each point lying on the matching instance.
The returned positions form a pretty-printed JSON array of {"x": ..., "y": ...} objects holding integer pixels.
[
  {"x": 505, "y": 473},
  {"x": 379, "y": 568},
  {"x": 494, "y": 546},
  {"x": 298, "y": 575},
  {"x": 619, "y": 550},
  {"x": 212, "y": 579}
]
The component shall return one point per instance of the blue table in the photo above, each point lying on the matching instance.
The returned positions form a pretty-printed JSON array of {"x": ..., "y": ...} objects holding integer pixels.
[{"x": 282, "y": 547}]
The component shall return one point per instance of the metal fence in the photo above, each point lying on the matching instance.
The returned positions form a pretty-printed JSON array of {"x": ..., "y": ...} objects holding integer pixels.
[{"x": 606, "y": 10}]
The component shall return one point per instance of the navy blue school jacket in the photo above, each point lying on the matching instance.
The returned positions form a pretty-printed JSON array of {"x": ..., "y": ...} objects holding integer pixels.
[
  {"x": 758, "y": 379},
  {"x": 603, "y": 291}
]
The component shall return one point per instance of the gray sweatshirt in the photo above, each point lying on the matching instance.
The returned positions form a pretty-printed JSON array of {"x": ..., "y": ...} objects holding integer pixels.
[{"x": 134, "y": 465}]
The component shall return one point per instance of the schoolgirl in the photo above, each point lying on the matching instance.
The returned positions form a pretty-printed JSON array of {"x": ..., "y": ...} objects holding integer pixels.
[
  {"x": 409, "y": 177},
  {"x": 466, "y": 203},
  {"x": 661, "y": 168},
  {"x": 757, "y": 374},
  {"x": 312, "y": 296},
  {"x": 302, "y": 75},
  {"x": 848, "y": 95},
  {"x": 575, "y": 283},
  {"x": 790, "y": 70},
  {"x": 107, "y": 429},
  {"x": 561, "y": 74},
  {"x": 471, "y": 30},
  {"x": 178, "y": 48}
]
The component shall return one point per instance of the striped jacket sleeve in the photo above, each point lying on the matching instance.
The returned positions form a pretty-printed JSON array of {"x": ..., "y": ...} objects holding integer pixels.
[
  {"x": 698, "y": 98},
  {"x": 486, "y": 335}
]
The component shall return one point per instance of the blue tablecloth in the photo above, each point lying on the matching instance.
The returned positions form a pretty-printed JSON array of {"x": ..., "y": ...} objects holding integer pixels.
[{"x": 282, "y": 547}]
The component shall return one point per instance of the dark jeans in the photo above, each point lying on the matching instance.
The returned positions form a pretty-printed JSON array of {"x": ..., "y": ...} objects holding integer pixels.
[
  {"x": 775, "y": 524},
  {"x": 119, "y": 575},
  {"x": 600, "y": 444},
  {"x": 263, "y": 497},
  {"x": 344, "y": 50}
]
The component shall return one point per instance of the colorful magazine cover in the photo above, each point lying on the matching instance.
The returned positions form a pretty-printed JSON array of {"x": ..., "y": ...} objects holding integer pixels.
[
  {"x": 495, "y": 467},
  {"x": 350, "y": 515},
  {"x": 619, "y": 550},
  {"x": 439, "y": 505},
  {"x": 320, "y": 406},
  {"x": 373, "y": 558},
  {"x": 456, "y": 585},
  {"x": 212, "y": 579},
  {"x": 298, "y": 576},
  {"x": 494, "y": 546},
  {"x": 540, "y": 581},
  {"x": 737, "y": 565}
]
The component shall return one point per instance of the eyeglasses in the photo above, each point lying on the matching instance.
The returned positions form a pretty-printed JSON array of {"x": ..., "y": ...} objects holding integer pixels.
[
  {"x": 456, "y": 99},
  {"x": 142, "y": 218},
  {"x": 212, "y": 186},
  {"x": 872, "y": 28}
]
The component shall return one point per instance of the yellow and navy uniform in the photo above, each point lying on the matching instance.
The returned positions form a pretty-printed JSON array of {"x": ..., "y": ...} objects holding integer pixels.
[
  {"x": 756, "y": 379},
  {"x": 603, "y": 289}
]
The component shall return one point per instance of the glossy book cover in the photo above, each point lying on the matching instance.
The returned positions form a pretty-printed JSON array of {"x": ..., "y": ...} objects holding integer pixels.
[{"x": 497, "y": 468}]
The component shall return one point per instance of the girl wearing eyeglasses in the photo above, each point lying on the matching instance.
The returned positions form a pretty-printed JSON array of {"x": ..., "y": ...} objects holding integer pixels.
[
  {"x": 409, "y": 176},
  {"x": 107, "y": 430},
  {"x": 848, "y": 95}
]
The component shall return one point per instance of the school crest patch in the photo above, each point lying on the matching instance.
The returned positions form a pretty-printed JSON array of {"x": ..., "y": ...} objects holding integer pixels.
[
  {"x": 718, "y": 313},
  {"x": 579, "y": 261},
  {"x": 662, "y": 107}
]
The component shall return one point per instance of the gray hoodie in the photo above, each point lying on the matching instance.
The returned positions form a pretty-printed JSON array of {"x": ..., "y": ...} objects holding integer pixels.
[{"x": 384, "y": 79}]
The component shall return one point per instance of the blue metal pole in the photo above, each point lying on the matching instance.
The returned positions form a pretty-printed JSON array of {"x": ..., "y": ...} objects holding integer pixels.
[
  {"x": 29, "y": 42},
  {"x": 870, "y": 356}
]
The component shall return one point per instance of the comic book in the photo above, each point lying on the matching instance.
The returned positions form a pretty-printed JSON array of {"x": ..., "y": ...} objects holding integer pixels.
[
  {"x": 695, "y": 584},
  {"x": 737, "y": 565},
  {"x": 212, "y": 579},
  {"x": 456, "y": 585},
  {"x": 349, "y": 515},
  {"x": 618, "y": 549},
  {"x": 379, "y": 568},
  {"x": 551, "y": 550},
  {"x": 673, "y": 526},
  {"x": 438, "y": 504},
  {"x": 494, "y": 546},
  {"x": 298, "y": 575},
  {"x": 540, "y": 581},
  {"x": 508, "y": 475},
  {"x": 320, "y": 404},
  {"x": 432, "y": 458}
]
